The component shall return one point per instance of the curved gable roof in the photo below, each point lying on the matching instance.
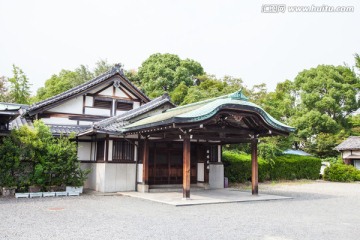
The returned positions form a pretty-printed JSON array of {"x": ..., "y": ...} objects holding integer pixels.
[{"x": 204, "y": 110}]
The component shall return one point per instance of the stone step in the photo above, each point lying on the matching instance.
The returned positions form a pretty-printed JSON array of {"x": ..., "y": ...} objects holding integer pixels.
[{"x": 173, "y": 188}]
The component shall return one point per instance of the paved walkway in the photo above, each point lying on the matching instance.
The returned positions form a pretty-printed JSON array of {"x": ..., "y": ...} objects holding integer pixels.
[{"x": 203, "y": 197}]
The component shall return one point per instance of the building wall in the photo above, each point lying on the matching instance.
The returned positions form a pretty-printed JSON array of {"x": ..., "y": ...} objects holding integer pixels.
[
  {"x": 110, "y": 177},
  {"x": 348, "y": 153},
  {"x": 71, "y": 106},
  {"x": 84, "y": 151},
  {"x": 81, "y": 105}
]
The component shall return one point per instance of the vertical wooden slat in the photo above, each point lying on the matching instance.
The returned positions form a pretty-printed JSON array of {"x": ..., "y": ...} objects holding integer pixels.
[
  {"x": 254, "y": 167},
  {"x": 146, "y": 162},
  {"x": 186, "y": 167}
]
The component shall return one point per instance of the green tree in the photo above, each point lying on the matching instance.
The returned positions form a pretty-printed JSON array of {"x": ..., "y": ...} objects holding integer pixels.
[
  {"x": 355, "y": 125},
  {"x": 60, "y": 83},
  {"x": 102, "y": 66},
  {"x": 19, "y": 87},
  {"x": 210, "y": 87},
  {"x": 4, "y": 94},
  {"x": 133, "y": 76},
  {"x": 164, "y": 72},
  {"x": 329, "y": 90},
  {"x": 179, "y": 93}
]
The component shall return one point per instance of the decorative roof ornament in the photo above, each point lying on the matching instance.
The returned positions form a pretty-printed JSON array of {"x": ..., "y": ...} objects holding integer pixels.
[
  {"x": 117, "y": 83},
  {"x": 238, "y": 96},
  {"x": 119, "y": 68}
]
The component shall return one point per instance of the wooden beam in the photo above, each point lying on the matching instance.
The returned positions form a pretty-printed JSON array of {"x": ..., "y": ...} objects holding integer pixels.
[
  {"x": 186, "y": 167},
  {"x": 254, "y": 167},
  {"x": 145, "y": 177}
]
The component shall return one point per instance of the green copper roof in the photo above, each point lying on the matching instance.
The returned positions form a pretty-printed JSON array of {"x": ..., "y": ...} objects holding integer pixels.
[
  {"x": 9, "y": 107},
  {"x": 206, "y": 109}
]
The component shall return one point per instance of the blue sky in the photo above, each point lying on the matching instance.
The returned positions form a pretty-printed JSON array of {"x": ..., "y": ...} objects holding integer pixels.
[{"x": 227, "y": 37}]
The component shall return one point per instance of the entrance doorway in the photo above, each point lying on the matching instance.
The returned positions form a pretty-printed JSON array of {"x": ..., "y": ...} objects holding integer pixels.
[{"x": 166, "y": 164}]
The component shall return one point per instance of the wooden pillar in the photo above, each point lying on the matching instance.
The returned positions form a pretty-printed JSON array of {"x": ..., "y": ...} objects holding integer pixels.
[
  {"x": 186, "y": 167},
  {"x": 145, "y": 175},
  {"x": 254, "y": 167},
  {"x": 107, "y": 148}
]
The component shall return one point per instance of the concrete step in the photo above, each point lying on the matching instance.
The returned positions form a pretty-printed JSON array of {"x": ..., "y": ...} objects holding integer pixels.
[{"x": 173, "y": 188}]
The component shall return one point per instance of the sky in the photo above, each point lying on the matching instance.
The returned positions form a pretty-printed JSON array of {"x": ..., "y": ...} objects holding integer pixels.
[{"x": 227, "y": 37}]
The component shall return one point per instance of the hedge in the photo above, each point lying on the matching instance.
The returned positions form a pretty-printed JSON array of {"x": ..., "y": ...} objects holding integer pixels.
[
  {"x": 341, "y": 173},
  {"x": 286, "y": 167}
]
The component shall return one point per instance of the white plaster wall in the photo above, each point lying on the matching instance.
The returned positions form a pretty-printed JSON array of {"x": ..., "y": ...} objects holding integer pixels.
[
  {"x": 120, "y": 112},
  {"x": 120, "y": 177},
  {"x": 110, "y": 177},
  {"x": 96, "y": 178},
  {"x": 98, "y": 88},
  {"x": 84, "y": 151},
  {"x": 132, "y": 95},
  {"x": 110, "y": 156},
  {"x": 216, "y": 176},
  {"x": 91, "y": 180},
  {"x": 97, "y": 111},
  {"x": 89, "y": 101},
  {"x": 140, "y": 172},
  {"x": 100, "y": 177},
  {"x": 136, "y": 104},
  {"x": 200, "y": 172},
  {"x": 108, "y": 91},
  {"x": 71, "y": 106},
  {"x": 348, "y": 153},
  {"x": 55, "y": 120},
  {"x": 120, "y": 93},
  {"x": 85, "y": 122}
]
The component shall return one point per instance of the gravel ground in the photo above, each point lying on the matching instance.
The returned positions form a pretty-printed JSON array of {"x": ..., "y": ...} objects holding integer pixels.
[{"x": 319, "y": 210}]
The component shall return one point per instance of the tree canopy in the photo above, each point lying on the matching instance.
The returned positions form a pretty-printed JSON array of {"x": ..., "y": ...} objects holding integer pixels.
[
  {"x": 68, "y": 79},
  {"x": 164, "y": 72},
  {"x": 19, "y": 87}
]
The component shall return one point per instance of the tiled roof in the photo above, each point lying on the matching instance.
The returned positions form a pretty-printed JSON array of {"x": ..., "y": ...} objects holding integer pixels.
[
  {"x": 116, "y": 123},
  {"x": 10, "y": 111},
  {"x": 204, "y": 110},
  {"x": 11, "y": 106},
  {"x": 83, "y": 87},
  {"x": 58, "y": 129},
  {"x": 351, "y": 143}
]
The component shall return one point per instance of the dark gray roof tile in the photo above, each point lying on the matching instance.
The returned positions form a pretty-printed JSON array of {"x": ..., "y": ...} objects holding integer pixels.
[{"x": 351, "y": 143}]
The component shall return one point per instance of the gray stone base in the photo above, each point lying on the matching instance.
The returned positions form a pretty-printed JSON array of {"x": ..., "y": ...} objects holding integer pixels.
[
  {"x": 216, "y": 176},
  {"x": 143, "y": 188}
]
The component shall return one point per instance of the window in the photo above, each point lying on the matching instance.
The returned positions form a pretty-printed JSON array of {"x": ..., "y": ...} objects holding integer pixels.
[
  {"x": 102, "y": 104},
  {"x": 214, "y": 153},
  {"x": 124, "y": 106},
  {"x": 123, "y": 151},
  {"x": 100, "y": 150}
]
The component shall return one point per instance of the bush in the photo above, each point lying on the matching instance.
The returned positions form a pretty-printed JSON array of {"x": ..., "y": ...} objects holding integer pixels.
[
  {"x": 238, "y": 167},
  {"x": 32, "y": 156},
  {"x": 341, "y": 173},
  {"x": 289, "y": 167},
  {"x": 286, "y": 167}
]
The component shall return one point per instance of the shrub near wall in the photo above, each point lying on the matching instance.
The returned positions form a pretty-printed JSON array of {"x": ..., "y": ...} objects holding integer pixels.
[
  {"x": 238, "y": 167},
  {"x": 289, "y": 167},
  {"x": 340, "y": 172},
  {"x": 286, "y": 167}
]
